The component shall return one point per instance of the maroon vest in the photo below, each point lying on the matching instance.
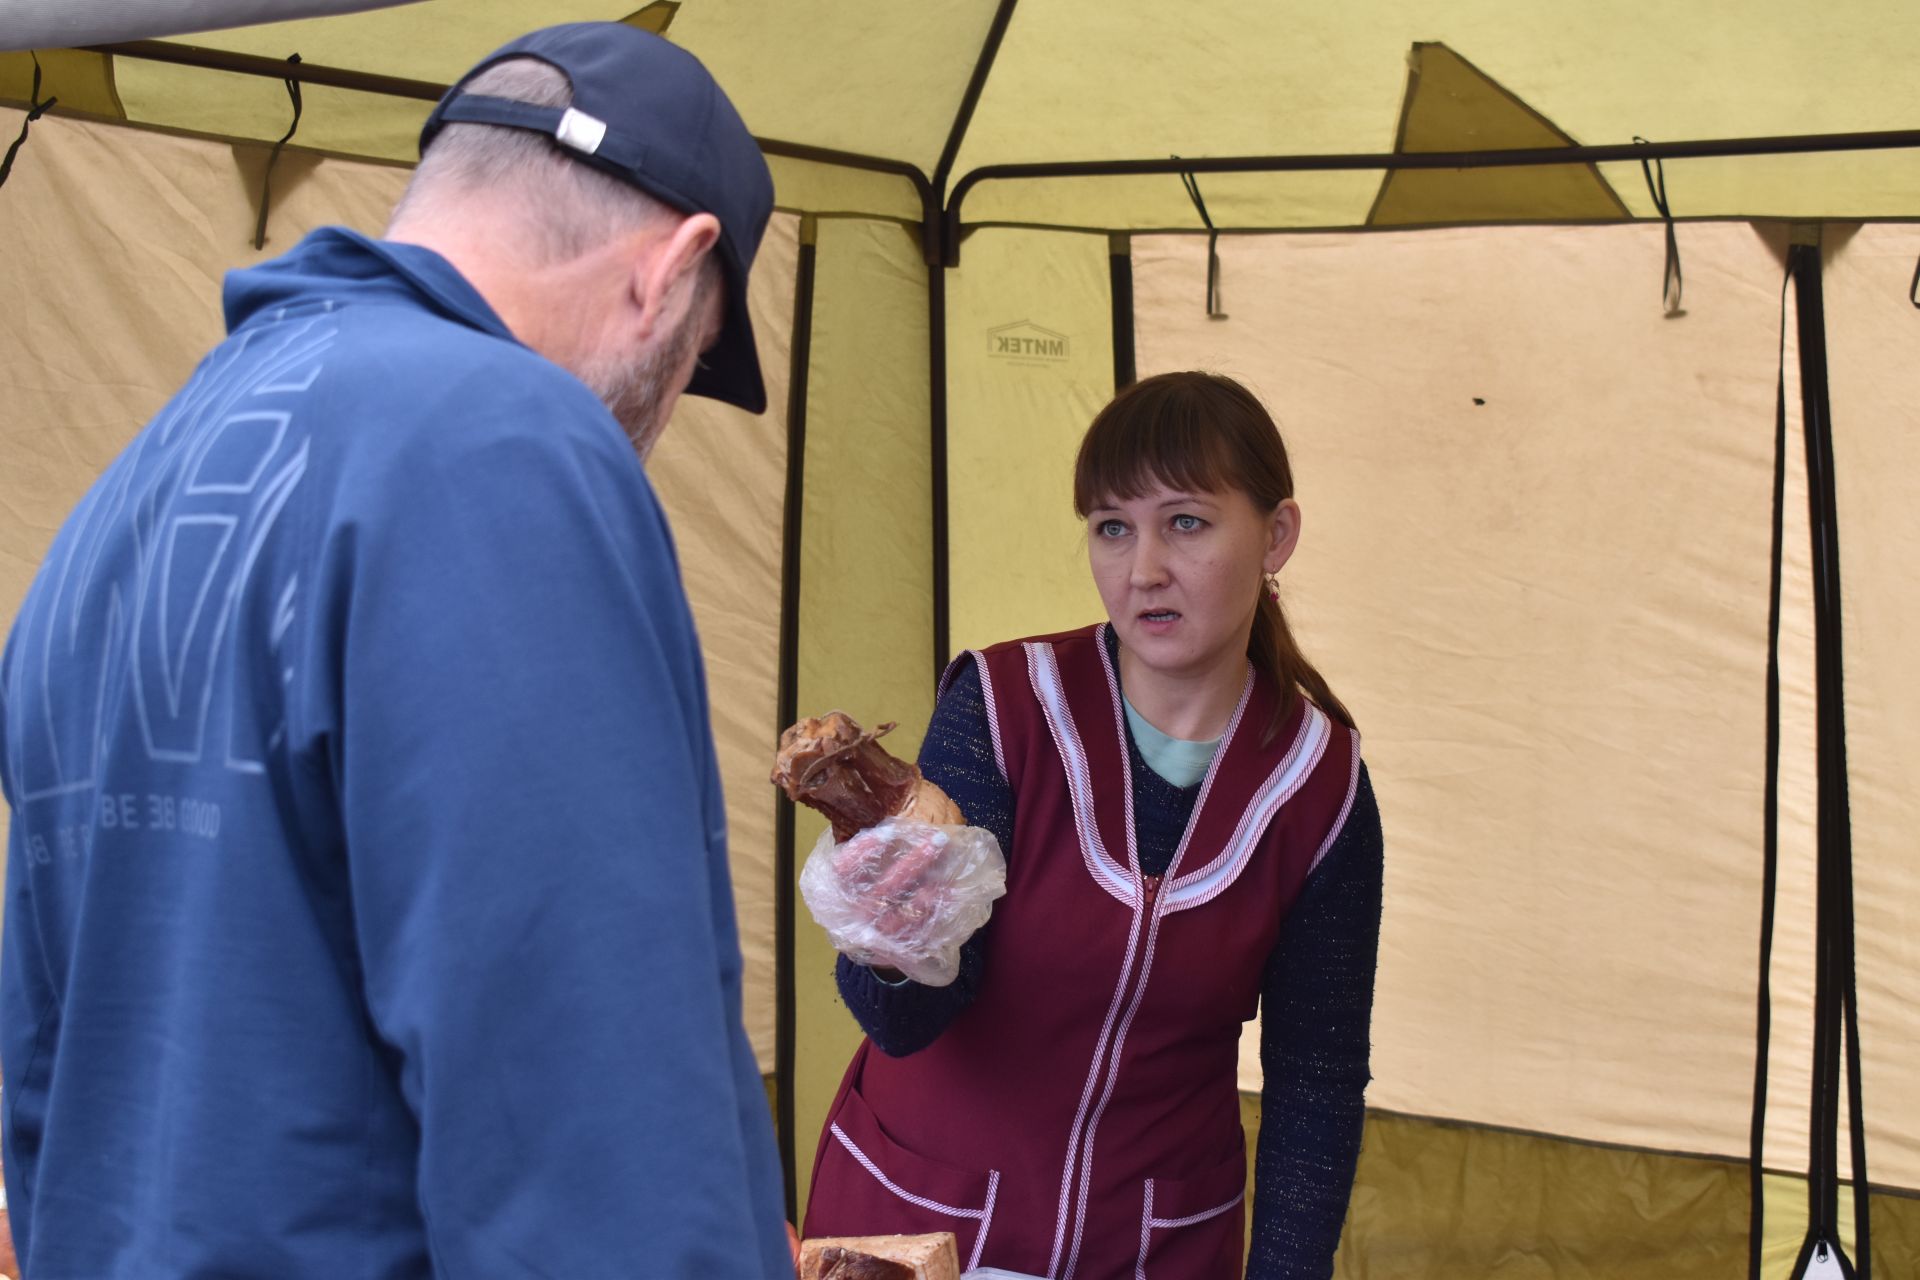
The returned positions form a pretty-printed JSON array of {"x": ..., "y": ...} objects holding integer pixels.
[{"x": 1080, "y": 1119}]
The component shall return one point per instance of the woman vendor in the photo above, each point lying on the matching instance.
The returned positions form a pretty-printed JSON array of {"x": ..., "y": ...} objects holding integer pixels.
[{"x": 1189, "y": 832}]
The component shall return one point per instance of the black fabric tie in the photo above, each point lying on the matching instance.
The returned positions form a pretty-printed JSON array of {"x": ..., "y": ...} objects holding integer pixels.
[
  {"x": 35, "y": 110},
  {"x": 266, "y": 178},
  {"x": 1656, "y": 175},
  {"x": 1192, "y": 185}
]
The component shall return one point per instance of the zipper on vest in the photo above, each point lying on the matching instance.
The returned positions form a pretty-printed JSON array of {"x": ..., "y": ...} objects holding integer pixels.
[{"x": 1133, "y": 988}]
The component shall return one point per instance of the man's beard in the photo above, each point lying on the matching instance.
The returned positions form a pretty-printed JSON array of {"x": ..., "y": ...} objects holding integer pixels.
[{"x": 637, "y": 390}]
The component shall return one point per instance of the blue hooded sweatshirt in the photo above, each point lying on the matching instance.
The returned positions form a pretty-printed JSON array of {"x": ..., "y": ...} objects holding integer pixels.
[{"x": 368, "y": 911}]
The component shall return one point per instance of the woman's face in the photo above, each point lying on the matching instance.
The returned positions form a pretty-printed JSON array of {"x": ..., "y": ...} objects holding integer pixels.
[{"x": 1181, "y": 573}]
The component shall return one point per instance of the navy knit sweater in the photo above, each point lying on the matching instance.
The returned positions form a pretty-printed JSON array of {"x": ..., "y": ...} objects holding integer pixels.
[{"x": 1316, "y": 1000}]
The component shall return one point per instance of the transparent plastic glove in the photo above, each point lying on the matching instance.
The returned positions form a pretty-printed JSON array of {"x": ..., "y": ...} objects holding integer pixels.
[{"x": 904, "y": 895}]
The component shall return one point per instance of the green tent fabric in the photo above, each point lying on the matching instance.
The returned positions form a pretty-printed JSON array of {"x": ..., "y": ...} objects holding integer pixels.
[{"x": 1538, "y": 482}]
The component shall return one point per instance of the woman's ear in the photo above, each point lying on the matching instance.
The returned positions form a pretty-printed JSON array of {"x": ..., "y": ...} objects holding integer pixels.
[{"x": 1283, "y": 535}]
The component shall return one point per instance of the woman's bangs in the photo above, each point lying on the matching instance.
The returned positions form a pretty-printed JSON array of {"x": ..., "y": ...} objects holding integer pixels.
[{"x": 1128, "y": 455}]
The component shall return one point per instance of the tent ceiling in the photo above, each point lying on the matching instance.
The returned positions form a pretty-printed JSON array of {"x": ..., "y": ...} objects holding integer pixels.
[{"x": 1132, "y": 79}]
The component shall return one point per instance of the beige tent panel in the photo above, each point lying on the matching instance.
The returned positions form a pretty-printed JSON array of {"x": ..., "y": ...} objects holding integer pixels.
[
  {"x": 1895, "y": 1223},
  {"x": 866, "y": 603},
  {"x": 345, "y": 122},
  {"x": 1790, "y": 1056},
  {"x": 853, "y": 81},
  {"x": 1541, "y": 193},
  {"x": 1872, "y": 332},
  {"x": 83, "y": 82},
  {"x": 1548, "y": 611},
  {"x": 1453, "y": 106},
  {"x": 721, "y": 474},
  {"x": 815, "y": 187},
  {"x": 1860, "y": 184},
  {"x": 1124, "y": 79},
  {"x": 1649, "y": 1038},
  {"x": 1029, "y": 342},
  {"x": 1127, "y": 80},
  {"x": 434, "y": 41},
  {"x": 1875, "y": 184},
  {"x": 1456, "y": 1202},
  {"x": 230, "y": 105},
  {"x": 880, "y": 81},
  {"x": 1159, "y": 202},
  {"x": 1439, "y": 1200}
]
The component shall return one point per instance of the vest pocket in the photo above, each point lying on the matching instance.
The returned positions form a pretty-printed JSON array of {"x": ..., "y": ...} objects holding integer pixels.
[
  {"x": 1194, "y": 1228},
  {"x": 867, "y": 1184}
]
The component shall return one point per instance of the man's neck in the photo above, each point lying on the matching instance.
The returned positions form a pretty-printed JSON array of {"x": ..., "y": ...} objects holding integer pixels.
[{"x": 523, "y": 292}]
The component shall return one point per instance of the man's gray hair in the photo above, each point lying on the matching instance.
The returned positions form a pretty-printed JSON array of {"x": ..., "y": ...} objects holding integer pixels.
[{"x": 567, "y": 207}]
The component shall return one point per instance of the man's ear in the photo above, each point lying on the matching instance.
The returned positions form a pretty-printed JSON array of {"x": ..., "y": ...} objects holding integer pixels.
[{"x": 664, "y": 275}]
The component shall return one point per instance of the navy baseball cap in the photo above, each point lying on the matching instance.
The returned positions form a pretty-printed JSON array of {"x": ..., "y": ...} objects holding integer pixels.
[{"x": 647, "y": 112}]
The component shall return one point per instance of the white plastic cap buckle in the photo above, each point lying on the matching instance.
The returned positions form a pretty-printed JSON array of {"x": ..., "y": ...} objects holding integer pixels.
[{"x": 580, "y": 131}]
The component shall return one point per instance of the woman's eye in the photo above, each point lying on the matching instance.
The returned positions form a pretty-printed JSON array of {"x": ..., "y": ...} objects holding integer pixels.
[
  {"x": 1113, "y": 529},
  {"x": 1188, "y": 524}
]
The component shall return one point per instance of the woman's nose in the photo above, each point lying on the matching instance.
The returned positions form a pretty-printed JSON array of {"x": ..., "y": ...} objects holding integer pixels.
[{"x": 1149, "y": 568}]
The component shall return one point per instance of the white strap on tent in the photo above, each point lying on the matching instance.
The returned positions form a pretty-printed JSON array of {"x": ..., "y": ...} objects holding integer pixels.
[{"x": 65, "y": 24}]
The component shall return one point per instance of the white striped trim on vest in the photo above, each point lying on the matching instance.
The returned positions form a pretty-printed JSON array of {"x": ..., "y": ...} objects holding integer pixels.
[
  {"x": 1162, "y": 908},
  {"x": 1213, "y": 766},
  {"x": 993, "y": 716},
  {"x": 1106, "y": 1094},
  {"x": 1086, "y": 1091},
  {"x": 983, "y": 1215},
  {"x": 1149, "y": 1224},
  {"x": 1339, "y": 823},
  {"x": 986, "y": 696},
  {"x": 1126, "y": 886},
  {"x": 1212, "y": 880},
  {"x": 1044, "y": 671}
]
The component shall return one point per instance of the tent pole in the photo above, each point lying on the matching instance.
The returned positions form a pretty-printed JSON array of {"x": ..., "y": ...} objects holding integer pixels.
[
  {"x": 788, "y": 698},
  {"x": 1836, "y": 1023},
  {"x": 937, "y": 414},
  {"x": 1120, "y": 278},
  {"x": 937, "y": 326},
  {"x": 976, "y": 85},
  {"x": 248, "y": 64},
  {"x": 1607, "y": 153},
  {"x": 1789, "y": 144},
  {"x": 1769, "y": 824}
]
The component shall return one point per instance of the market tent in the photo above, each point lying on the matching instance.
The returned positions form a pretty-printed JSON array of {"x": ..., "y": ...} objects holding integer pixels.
[{"x": 1539, "y": 482}]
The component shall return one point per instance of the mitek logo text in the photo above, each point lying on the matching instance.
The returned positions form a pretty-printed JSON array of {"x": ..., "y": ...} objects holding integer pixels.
[{"x": 1025, "y": 341}]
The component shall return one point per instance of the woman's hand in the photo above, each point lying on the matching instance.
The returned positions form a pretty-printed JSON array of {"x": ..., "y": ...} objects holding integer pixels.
[{"x": 904, "y": 895}]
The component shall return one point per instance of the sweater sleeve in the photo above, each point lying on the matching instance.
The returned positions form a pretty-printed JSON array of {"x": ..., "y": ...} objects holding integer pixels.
[
  {"x": 519, "y": 730},
  {"x": 905, "y": 1017},
  {"x": 1317, "y": 1003}
]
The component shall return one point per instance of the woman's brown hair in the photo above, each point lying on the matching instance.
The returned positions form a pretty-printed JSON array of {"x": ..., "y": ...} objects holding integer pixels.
[{"x": 1203, "y": 433}]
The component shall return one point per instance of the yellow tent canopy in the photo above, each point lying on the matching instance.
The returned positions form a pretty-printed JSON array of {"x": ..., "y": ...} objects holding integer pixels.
[{"x": 1550, "y": 302}]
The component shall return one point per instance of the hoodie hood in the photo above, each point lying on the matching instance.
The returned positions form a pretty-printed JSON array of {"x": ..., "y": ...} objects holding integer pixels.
[{"x": 335, "y": 267}]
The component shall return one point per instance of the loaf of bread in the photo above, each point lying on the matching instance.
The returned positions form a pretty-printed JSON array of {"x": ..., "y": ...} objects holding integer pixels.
[{"x": 930, "y": 1257}]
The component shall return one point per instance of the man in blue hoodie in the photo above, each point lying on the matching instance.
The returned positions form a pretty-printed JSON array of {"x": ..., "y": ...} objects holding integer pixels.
[{"x": 367, "y": 901}]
